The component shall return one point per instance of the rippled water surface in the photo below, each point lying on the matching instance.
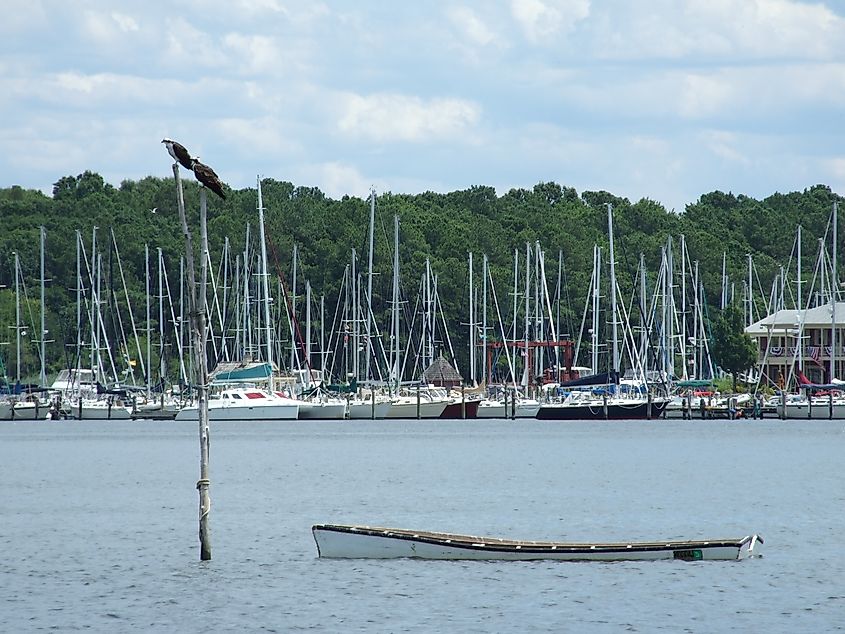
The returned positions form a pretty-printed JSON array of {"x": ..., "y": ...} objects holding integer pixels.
[{"x": 98, "y": 525}]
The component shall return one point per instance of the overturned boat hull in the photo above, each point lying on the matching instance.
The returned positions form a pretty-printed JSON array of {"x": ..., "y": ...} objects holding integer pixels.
[{"x": 365, "y": 542}]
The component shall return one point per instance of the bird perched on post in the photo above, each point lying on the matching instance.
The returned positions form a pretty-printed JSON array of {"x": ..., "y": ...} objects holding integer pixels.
[
  {"x": 179, "y": 153},
  {"x": 209, "y": 178}
]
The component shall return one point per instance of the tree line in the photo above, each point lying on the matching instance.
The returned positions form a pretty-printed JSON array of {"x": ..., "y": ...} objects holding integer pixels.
[{"x": 443, "y": 227}]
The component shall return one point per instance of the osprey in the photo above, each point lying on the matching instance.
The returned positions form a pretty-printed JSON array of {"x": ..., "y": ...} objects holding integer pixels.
[
  {"x": 207, "y": 177},
  {"x": 179, "y": 153}
]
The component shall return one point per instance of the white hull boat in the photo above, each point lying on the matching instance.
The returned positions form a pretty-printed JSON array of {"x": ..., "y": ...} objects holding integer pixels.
[
  {"x": 99, "y": 410},
  {"x": 819, "y": 407},
  {"x": 332, "y": 409},
  {"x": 245, "y": 404},
  {"x": 364, "y": 542},
  {"x": 363, "y": 409},
  {"x": 525, "y": 408},
  {"x": 408, "y": 406},
  {"x": 24, "y": 410}
]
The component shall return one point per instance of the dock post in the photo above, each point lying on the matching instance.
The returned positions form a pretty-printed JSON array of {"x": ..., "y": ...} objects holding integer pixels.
[
  {"x": 463, "y": 402},
  {"x": 701, "y": 407},
  {"x": 506, "y": 404},
  {"x": 830, "y": 405},
  {"x": 372, "y": 403},
  {"x": 783, "y": 405},
  {"x": 648, "y": 408},
  {"x": 604, "y": 404},
  {"x": 418, "y": 402},
  {"x": 198, "y": 321}
]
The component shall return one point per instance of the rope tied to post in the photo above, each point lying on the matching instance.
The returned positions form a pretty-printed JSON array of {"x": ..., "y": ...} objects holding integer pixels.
[{"x": 203, "y": 482}]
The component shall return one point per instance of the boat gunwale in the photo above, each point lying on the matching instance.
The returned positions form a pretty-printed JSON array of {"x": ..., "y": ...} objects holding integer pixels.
[{"x": 495, "y": 544}]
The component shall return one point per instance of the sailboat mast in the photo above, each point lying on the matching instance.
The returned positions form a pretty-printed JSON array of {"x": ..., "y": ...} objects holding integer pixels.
[
  {"x": 394, "y": 339},
  {"x": 18, "y": 314},
  {"x": 834, "y": 293},
  {"x": 42, "y": 336},
  {"x": 356, "y": 311},
  {"x": 265, "y": 285},
  {"x": 293, "y": 314},
  {"x": 369, "y": 349},
  {"x": 684, "y": 372},
  {"x": 94, "y": 300},
  {"x": 161, "y": 364},
  {"x": 148, "y": 367},
  {"x": 525, "y": 370},
  {"x": 78, "y": 360},
  {"x": 484, "y": 339},
  {"x": 308, "y": 331},
  {"x": 613, "y": 295},
  {"x": 594, "y": 339},
  {"x": 800, "y": 305},
  {"x": 643, "y": 321},
  {"x": 471, "y": 327}
]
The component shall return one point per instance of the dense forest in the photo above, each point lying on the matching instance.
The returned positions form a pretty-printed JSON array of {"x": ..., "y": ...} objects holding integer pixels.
[{"x": 441, "y": 227}]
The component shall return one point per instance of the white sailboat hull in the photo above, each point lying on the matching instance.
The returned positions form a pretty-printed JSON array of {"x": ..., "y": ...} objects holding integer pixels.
[
  {"x": 820, "y": 409},
  {"x": 364, "y": 542},
  {"x": 334, "y": 410},
  {"x": 408, "y": 409},
  {"x": 23, "y": 410},
  {"x": 364, "y": 410},
  {"x": 496, "y": 409},
  {"x": 244, "y": 413},
  {"x": 100, "y": 411}
]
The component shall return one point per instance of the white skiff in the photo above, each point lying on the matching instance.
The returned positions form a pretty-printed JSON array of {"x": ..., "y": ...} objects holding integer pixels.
[{"x": 366, "y": 542}]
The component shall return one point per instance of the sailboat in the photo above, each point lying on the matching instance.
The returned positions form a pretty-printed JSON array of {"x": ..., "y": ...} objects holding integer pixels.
[{"x": 604, "y": 396}]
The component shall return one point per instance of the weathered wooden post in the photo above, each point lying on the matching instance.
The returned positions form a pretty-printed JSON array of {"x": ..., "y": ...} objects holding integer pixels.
[
  {"x": 463, "y": 402},
  {"x": 830, "y": 405},
  {"x": 506, "y": 404},
  {"x": 197, "y": 313},
  {"x": 372, "y": 403},
  {"x": 604, "y": 404},
  {"x": 418, "y": 401},
  {"x": 783, "y": 405},
  {"x": 648, "y": 408}
]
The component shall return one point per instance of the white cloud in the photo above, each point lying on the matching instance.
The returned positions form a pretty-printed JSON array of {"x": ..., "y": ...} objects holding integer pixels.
[
  {"x": 126, "y": 23},
  {"x": 392, "y": 117},
  {"x": 730, "y": 30},
  {"x": 724, "y": 145},
  {"x": 256, "y": 53},
  {"x": 263, "y": 135},
  {"x": 339, "y": 179},
  {"x": 22, "y": 15},
  {"x": 109, "y": 28},
  {"x": 472, "y": 27},
  {"x": 542, "y": 19},
  {"x": 188, "y": 45}
]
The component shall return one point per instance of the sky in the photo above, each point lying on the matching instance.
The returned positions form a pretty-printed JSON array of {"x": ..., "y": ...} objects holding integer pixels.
[{"x": 658, "y": 99}]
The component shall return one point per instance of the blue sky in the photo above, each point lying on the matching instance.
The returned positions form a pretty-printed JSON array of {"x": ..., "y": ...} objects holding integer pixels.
[{"x": 665, "y": 99}]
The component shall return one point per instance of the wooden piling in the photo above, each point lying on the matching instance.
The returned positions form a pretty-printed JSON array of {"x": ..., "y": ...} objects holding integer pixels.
[{"x": 197, "y": 313}]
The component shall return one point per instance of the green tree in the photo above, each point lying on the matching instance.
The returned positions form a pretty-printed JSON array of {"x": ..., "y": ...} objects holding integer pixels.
[{"x": 733, "y": 349}]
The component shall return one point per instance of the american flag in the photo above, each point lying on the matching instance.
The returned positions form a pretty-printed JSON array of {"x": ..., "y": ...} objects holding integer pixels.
[{"x": 813, "y": 351}]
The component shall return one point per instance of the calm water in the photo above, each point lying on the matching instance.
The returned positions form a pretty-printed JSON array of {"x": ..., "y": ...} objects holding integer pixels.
[{"x": 98, "y": 525}]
